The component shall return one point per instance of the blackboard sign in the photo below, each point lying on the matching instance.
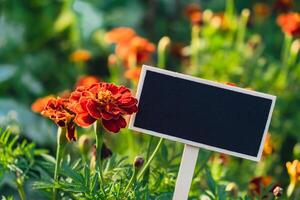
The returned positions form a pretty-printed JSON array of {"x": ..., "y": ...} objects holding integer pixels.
[{"x": 202, "y": 113}]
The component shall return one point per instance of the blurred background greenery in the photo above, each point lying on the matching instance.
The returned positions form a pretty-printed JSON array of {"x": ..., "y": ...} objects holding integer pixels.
[{"x": 38, "y": 38}]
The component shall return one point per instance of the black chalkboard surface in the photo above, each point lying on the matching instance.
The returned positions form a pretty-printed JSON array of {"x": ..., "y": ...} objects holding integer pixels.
[{"x": 202, "y": 113}]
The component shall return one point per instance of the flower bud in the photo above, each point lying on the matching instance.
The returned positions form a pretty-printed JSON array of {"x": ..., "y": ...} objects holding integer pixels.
[
  {"x": 232, "y": 189},
  {"x": 85, "y": 144},
  {"x": 138, "y": 162},
  {"x": 277, "y": 191},
  {"x": 105, "y": 152}
]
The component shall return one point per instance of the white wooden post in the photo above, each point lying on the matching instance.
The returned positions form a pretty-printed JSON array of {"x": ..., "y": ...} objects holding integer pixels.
[{"x": 186, "y": 172}]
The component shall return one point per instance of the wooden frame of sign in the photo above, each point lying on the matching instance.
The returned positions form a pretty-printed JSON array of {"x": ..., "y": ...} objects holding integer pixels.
[{"x": 201, "y": 114}]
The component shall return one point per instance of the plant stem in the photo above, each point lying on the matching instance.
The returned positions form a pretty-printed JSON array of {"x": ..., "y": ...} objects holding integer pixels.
[
  {"x": 132, "y": 179},
  {"x": 99, "y": 143},
  {"x": 242, "y": 29},
  {"x": 61, "y": 143},
  {"x": 284, "y": 58},
  {"x": 147, "y": 165},
  {"x": 146, "y": 174},
  {"x": 19, "y": 182},
  {"x": 161, "y": 51},
  {"x": 286, "y": 50},
  {"x": 195, "y": 47}
]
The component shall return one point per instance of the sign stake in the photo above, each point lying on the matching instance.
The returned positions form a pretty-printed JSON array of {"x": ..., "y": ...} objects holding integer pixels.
[{"x": 186, "y": 172}]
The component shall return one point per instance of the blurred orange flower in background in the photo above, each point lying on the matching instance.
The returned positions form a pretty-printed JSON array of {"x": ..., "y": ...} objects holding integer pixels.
[
  {"x": 193, "y": 13},
  {"x": 231, "y": 84},
  {"x": 39, "y": 104},
  {"x": 87, "y": 81},
  {"x": 257, "y": 183},
  {"x": 58, "y": 110},
  {"x": 80, "y": 55},
  {"x": 112, "y": 59},
  {"x": 268, "y": 147},
  {"x": 120, "y": 35},
  {"x": 219, "y": 21},
  {"x": 290, "y": 23},
  {"x": 293, "y": 169},
  {"x": 130, "y": 48},
  {"x": 220, "y": 158},
  {"x": 137, "y": 50},
  {"x": 133, "y": 74},
  {"x": 261, "y": 10}
]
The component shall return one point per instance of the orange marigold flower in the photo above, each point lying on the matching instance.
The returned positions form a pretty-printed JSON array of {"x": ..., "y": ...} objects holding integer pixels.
[
  {"x": 220, "y": 21},
  {"x": 133, "y": 74},
  {"x": 104, "y": 101},
  {"x": 138, "y": 48},
  {"x": 39, "y": 104},
  {"x": 112, "y": 59},
  {"x": 231, "y": 84},
  {"x": 58, "y": 110},
  {"x": 293, "y": 169},
  {"x": 120, "y": 35},
  {"x": 220, "y": 158},
  {"x": 261, "y": 10},
  {"x": 290, "y": 23},
  {"x": 87, "y": 81},
  {"x": 131, "y": 48},
  {"x": 268, "y": 147},
  {"x": 193, "y": 13},
  {"x": 257, "y": 183},
  {"x": 80, "y": 55}
]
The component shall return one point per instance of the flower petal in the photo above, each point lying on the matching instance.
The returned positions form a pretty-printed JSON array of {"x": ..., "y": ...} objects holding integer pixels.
[
  {"x": 93, "y": 109},
  {"x": 111, "y": 125},
  {"x": 121, "y": 122},
  {"x": 84, "y": 119},
  {"x": 71, "y": 132}
]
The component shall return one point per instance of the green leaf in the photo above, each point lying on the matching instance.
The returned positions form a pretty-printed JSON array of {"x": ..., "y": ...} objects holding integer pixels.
[
  {"x": 210, "y": 181},
  {"x": 70, "y": 173},
  {"x": 7, "y": 72},
  {"x": 48, "y": 158}
]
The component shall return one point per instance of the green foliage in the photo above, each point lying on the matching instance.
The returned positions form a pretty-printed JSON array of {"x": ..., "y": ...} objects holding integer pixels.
[{"x": 16, "y": 157}]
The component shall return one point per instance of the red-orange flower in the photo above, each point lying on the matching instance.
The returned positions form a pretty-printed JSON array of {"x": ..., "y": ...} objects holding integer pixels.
[
  {"x": 40, "y": 103},
  {"x": 120, "y": 35},
  {"x": 87, "y": 81},
  {"x": 104, "y": 101},
  {"x": 289, "y": 23},
  {"x": 257, "y": 183},
  {"x": 80, "y": 55},
  {"x": 193, "y": 13},
  {"x": 58, "y": 110}
]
